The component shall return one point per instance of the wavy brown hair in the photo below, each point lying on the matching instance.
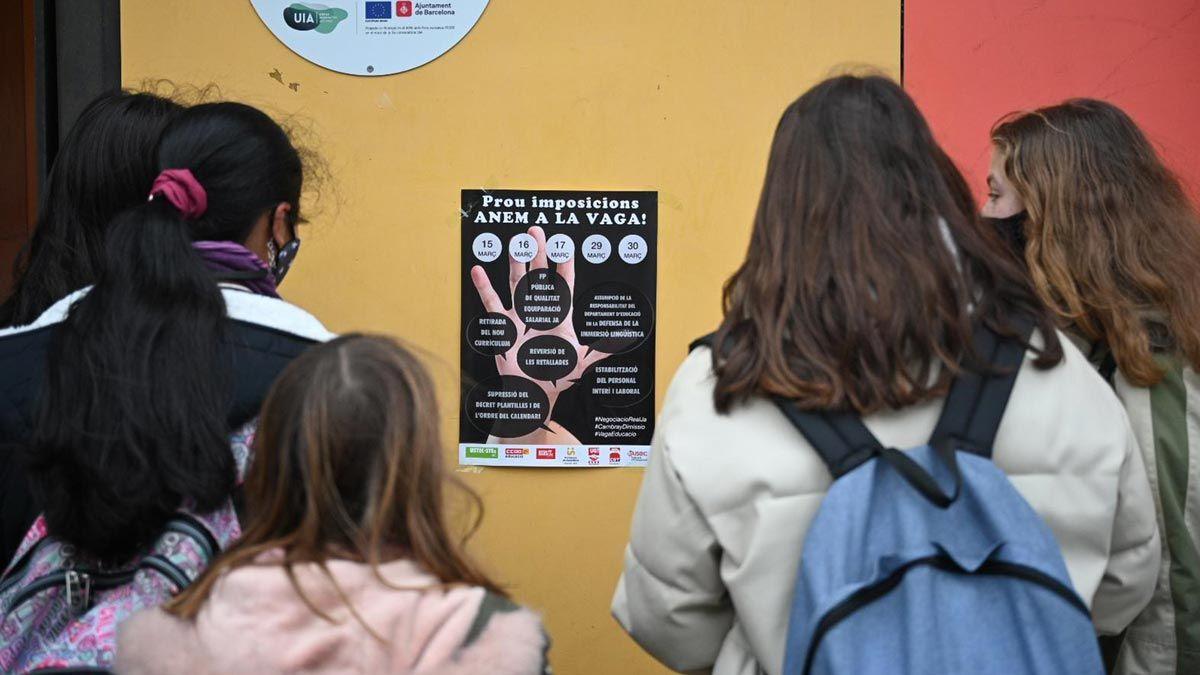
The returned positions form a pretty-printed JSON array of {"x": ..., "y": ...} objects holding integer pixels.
[
  {"x": 348, "y": 465},
  {"x": 868, "y": 268},
  {"x": 1114, "y": 243}
]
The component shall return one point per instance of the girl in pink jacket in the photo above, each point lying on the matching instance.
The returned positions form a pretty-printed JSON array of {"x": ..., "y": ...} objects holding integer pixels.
[{"x": 347, "y": 564}]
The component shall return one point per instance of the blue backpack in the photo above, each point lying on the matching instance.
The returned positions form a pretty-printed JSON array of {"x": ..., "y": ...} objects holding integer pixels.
[{"x": 928, "y": 560}]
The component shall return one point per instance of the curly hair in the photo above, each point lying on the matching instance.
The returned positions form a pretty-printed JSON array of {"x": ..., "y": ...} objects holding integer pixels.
[{"x": 1113, "y": 241}]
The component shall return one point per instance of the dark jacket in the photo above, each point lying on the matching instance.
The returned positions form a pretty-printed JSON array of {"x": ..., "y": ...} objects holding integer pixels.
[{"x": 265, "y": 335}]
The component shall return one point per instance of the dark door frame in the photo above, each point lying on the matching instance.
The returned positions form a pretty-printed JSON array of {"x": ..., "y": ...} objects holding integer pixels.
[
  {"x": 69, "y": 52},
  {"x": 78, "y": 56}
]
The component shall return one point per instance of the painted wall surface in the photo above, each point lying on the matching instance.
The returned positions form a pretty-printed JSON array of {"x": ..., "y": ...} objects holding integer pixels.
[
  {"x": 679, "y": 97},
  {"x": 968, "y": 63}
]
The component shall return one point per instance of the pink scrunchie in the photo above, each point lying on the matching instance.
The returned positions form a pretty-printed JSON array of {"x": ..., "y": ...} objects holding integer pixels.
[{"x": 182, "y": 189}]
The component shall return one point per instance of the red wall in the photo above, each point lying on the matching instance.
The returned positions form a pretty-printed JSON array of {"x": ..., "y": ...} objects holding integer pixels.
[{"x": 967, "y": 62}]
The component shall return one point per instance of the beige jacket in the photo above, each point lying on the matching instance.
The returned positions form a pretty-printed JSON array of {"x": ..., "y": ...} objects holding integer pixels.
[{"x": 727, "y": 499}]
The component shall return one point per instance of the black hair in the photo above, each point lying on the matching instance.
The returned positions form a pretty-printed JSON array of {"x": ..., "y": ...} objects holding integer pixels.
[
  {"x": 132, "y": 422},
  {"x": 104, "y": 166}
]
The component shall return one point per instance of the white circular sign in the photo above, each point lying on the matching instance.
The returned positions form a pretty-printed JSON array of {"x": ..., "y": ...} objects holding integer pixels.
[
  {"x": 596, "y": 249},
  {"x": 369, "y": 37},
  {"x": 522, "y": 247},
  {"x": 486, "y": 247},
  {"x": 632, "y": 249},
  {"x": 560, "y": 248}
]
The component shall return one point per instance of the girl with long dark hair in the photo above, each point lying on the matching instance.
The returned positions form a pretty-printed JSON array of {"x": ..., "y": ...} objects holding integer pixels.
[
  {"x": 104, "y": 166},
  {"x": 126, "y": 394}
]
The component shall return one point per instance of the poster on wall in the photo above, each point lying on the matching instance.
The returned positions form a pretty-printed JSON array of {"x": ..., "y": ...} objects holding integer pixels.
[
  {"x": 369, "y": 37},
  {"x": 557, "y": 341}
]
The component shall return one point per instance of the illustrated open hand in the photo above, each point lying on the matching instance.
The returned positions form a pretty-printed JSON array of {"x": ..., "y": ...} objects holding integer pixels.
[{"x": 506, "y": 363}]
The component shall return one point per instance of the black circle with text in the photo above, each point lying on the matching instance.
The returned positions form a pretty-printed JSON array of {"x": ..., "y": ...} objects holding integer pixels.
[
  {"x": 617, "y": 382},
  {"x": 491, "y": 334},
  {"x": 507, "y": 406},
  {"x": 613, "y": 317},
  {"x": 542, "y": 299},
  {"x": 547, "y": 358}
]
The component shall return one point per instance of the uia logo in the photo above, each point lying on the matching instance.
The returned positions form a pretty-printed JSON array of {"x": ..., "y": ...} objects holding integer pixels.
[{"x": 320, "y": 18}]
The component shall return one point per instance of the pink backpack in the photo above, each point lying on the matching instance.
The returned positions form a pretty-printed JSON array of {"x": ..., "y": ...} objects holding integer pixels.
[{"x": 58, "y": 610}]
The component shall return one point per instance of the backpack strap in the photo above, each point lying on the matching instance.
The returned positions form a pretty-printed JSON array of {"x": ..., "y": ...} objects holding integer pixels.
[
  {"x": 976, "y": 401},
  {"x": 840, "y": 438},
  {"x": 191, "y": 527},
  {"x": 844, "y": 443},
  {"x": 970, "y": 419}
]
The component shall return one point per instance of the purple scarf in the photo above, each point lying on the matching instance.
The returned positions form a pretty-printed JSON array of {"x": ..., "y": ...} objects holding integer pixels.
[{"x": 230, "y": 261}]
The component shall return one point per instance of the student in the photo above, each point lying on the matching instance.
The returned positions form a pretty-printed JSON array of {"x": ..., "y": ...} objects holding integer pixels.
[
  {"x": 1113, "y": 245},
  {"x": 126, "y": 394},
  {"x": 104, "y": 166},
  {"x": 866, "y": 272},
  {"x": 347, "y": 563}
]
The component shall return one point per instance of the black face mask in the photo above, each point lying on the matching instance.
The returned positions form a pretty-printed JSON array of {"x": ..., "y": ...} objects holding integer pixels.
[
  {"x": 1012, "y": 231},
  {"x": 284, "y": 259}
]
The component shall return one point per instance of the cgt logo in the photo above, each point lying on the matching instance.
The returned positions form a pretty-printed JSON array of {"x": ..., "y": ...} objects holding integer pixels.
[
  {"x": 546, "y": 453},
  {"x": 614, "y": 455},
  {"x": 319, "y": 18},
  {"x": 593, "y": 456},
  {"x": 403, "y": 9}
]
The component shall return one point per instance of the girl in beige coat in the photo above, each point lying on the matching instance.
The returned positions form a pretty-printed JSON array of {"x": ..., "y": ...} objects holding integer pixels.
[{"x": 866, "y": 273}]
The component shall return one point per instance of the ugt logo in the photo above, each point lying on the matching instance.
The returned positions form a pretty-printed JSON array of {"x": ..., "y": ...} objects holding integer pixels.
[{"x": 403, "y": 8}]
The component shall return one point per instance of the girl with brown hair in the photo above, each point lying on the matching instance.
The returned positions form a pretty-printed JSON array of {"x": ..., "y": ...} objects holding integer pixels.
[
  {"x": 347, "y": 563},
  {"x": 1113, "y": 248},
  {"x": 867, "y": 274}
]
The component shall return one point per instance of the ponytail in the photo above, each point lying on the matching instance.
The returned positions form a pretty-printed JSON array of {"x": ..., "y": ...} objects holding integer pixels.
[{"x": 132, "y": 422}]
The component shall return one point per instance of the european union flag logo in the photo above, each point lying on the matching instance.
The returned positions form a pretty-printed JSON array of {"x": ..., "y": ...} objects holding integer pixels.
[{"x": 379, "y": 10}]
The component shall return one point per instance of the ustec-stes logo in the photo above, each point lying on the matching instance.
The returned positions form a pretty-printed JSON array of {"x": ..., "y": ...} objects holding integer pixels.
[
  {"x": 403, "y": 8},
  {"x": 476, "y": 452}
]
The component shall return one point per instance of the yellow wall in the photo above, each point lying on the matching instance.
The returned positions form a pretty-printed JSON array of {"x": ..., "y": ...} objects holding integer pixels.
[{"x": 677, "y": 96}]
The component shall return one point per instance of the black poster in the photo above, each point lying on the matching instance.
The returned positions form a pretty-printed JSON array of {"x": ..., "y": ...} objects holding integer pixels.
[{"x": 558, "y": 311}]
